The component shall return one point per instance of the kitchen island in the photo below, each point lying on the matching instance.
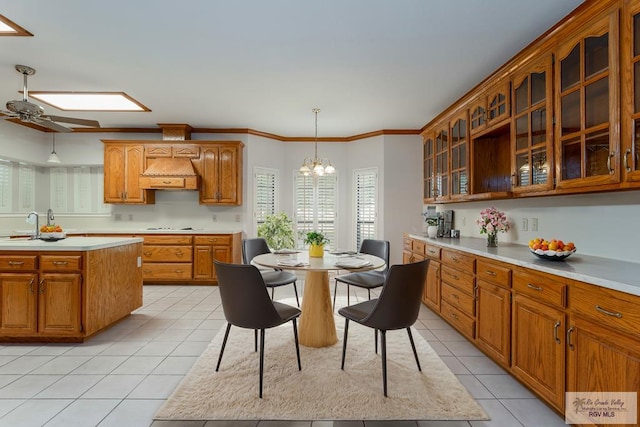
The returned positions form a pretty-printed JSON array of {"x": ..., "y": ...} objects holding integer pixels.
[{"x": 67, "y": 290}]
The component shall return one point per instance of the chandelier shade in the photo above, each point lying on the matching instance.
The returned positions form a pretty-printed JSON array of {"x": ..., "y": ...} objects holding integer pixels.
[
  {"x": 53, "y": 157},
  {"x": 316, "y": 166}
]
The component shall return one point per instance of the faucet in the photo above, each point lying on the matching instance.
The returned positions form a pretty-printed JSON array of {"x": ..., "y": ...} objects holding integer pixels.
[
  {"x": 50, "y": 217},
  {"x": 37, "y": 230}
]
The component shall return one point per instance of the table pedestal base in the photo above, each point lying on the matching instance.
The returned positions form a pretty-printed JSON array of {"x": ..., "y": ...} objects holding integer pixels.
[{"x": 317, "y": 327}]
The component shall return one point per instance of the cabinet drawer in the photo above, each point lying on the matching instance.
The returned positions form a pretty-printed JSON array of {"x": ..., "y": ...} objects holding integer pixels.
[
  {"x": 458, "y": 260},
  {"x": 407, "y": 243},
  {"x": 459, "y": 300},
  {"x": 458, "y": 319},
  {"x": 60, "y": 263},
  {"x": 418, "y": 247},
  {"x": 162, "y": 182},
  {"x": 453, "y": 277},
  {"x": 151, "y": 150},
  {"x": 491, "y": 272},
  {"x": 167, "y": 240},
  {"x": 605, "y": 306},
  {"x": 543, "y": 287},
  {"x": 156, "y": 253},
  {"x": 190, "y": 151},
  {"x": 213, "y": 240},
  {"x": 432, "y": 251},
  {"x": 18, "y": 262},
  {"x": 167, "y": 271}
]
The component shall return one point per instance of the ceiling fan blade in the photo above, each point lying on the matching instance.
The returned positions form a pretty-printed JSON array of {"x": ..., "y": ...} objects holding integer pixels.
[
  {"x": 7, "y": 114},
  {"x": 81, "y": 122},
  {"x": 51, "y": 125}
]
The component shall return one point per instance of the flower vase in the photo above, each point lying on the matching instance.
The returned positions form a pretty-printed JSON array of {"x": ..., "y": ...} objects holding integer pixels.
[
  {"x": 432, "y": 231},
  {"x": 492, "y": 240},
  {"x": 316, "y": 251}
]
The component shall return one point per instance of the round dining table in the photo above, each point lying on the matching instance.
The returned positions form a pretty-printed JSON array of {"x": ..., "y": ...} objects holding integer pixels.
[{"x": 317, "y": 326}]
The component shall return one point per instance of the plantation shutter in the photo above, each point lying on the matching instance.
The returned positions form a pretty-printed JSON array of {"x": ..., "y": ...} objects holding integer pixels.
[
  {"x": 366, "y": 191},
  {"x": 5, "y": 186},
  {"x": 82, "y": 189},
  {"x": 27, "y": 188},
  {"x": 58, "y": 187},
  {"x": 266, "y": 193},
  {"x": 315, "y": 206}
]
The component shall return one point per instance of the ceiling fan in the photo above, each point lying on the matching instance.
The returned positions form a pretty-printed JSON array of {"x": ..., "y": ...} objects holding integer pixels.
[{"x": 29, "y": 112}]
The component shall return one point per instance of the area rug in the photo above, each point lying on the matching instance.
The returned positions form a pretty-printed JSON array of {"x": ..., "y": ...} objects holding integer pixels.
[{"x": 321, "y": 391}]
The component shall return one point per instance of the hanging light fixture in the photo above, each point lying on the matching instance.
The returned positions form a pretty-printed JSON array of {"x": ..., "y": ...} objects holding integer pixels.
[
  {"x": 316, "y": 166},
  {"x": 53, "y": 157}
]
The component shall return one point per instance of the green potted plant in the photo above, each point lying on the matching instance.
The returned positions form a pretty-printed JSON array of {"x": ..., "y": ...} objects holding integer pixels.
[
  {"x": 277, "y": 231},
  {"x": 316, "y": 242}
]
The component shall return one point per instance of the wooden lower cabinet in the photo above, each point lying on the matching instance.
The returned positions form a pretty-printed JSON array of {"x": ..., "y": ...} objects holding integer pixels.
[
  {"x": 431, "y": 296},
  {"x": 493, "y": 321},
  {"x": 538, "y": 348},
  {"x": 19, "y": 303},
  {"x": 59, "y": 302},
  {"x": 225, "y": 248},
  {"x": 167, "y": 258}
]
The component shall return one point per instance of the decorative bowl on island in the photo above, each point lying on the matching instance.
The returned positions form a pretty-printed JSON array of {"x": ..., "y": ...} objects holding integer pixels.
[{"x": 552, "y": 250}]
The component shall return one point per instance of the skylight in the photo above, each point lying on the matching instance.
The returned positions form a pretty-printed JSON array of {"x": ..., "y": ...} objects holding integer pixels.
[
  {"x": 10, "y": 28},
  {"x": 89, "y": 101}
]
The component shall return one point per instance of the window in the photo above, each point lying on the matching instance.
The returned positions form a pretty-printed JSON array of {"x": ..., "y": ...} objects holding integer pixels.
[
  {"x": 27, "y": 187},
  {"x": 77, "y": 190},
  {"x": 315, "y": 206},
  {"x": 58, "y": 189},
  {"x": 5, "y": 185},
  {"x": 365, "y": 182},
  {"x": 265, "y": 192}
]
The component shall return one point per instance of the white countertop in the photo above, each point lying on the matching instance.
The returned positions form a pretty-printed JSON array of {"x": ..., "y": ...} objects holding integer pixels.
[
  {"x": 609, "y": 273},
  {"x": 71, "y": 232},
  {"x": 68, "y": 244}
]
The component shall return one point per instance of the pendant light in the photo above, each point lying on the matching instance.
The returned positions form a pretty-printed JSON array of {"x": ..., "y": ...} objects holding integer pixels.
[
  {"x": 316, "y": 166},
  {"x": 53, "y": 157}
]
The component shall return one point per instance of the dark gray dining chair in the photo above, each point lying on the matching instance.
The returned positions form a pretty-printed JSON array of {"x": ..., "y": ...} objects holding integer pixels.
[
  {"x": 368, "y": 279},
  {"x": 397, "y": 307},
  {"x": 246, "y": 304},
  {"x": 272, "y": 278}
]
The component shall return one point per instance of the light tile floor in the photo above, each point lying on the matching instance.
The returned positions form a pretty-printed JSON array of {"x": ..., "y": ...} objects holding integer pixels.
[{"x": 123, "y": 375}]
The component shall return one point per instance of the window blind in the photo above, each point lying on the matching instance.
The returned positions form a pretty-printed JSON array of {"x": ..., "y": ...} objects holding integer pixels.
[
  {"x": 365, "y": 183},
  {"x": 27, "y": 188},
  {"x": 315, "y": 206},
  {"x": 265, "y": 193},
  {"x": 5, "y": 186}
]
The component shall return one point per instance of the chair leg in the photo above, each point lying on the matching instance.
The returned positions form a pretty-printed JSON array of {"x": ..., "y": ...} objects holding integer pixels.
[
  {"x": 335, "y": 293},
  {"x": 413, "y": 346},
  {"x": 348, "y": 296},
  {"x": 375, "y": 334},
  {"x": 224, "y": 343},
  {"x": 272, "y": 289},
  {"x": 295, "y": 336},
  {"x": 344, "y": 341},
  {"x": 255, "y": 340},
  {"x": 261, "y": 359},
  {"x": 369, "y": 292},
  {"x": 383, "y": 344},
  {"x": 295, "y": 289}
]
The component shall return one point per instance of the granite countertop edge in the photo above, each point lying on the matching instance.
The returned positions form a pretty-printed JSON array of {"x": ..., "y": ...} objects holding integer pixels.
[{"x": 605, "y": 272}]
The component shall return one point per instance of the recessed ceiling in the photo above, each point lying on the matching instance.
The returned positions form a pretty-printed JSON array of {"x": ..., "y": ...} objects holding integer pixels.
[{"x": 368, "y": 64}]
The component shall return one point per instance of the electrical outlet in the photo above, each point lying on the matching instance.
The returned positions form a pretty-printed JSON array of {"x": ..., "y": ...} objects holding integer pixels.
[
  {"x": 534, "y": 224},
  {"x": 238, "y": 218},
  {"x": 214, "y": 218},
  {"x": 525, "y": 224},
  {"x": 117, "y": 217},
  {"x": 130, "y": 217}
]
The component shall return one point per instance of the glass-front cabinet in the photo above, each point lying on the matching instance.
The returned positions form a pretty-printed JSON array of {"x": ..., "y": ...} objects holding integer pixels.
[
  {"x": 587, "y": 106},
  {"x": 478, "y": 115},
  {"x": 441, "y": 163},
  {"x": 428, "y": 159},
  {"x": 498, "y": 103},
  {"x": 631, "y": 143},
  {"x": 531, "y": 129},
  {"x": 460, "y": 155}
]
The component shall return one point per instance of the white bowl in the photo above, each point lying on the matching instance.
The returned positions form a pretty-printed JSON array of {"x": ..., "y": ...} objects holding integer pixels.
[{"x": 53, "y": 235}]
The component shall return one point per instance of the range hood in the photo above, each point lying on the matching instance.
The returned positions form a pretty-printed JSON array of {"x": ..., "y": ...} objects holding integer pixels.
[{"x": 169, "y": 173}]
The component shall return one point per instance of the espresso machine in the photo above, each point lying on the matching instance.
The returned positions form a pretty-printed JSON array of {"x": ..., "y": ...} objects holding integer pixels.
[{"x": 445, "y": 223}]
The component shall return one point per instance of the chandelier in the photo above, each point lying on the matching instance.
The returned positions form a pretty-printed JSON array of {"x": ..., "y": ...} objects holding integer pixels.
[{"x": 316, "y": 166}]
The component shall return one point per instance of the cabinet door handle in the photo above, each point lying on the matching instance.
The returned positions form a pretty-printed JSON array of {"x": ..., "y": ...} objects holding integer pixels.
[
  {"x": 456, "y": 260},
  {"x": 178, "y": 271},
  {"x": 626, "y": 160},
  {"x": 569, "y": 332},
  {"x": 166, "y": 182},
  {"x": 609, "y": 163},
  {"x": 534, "y": 287},
  {"x": 146, "y": 253},
  {"x": 490, "y": 273},
  {"x": 455, "y": 316},
  {"x": 16, "y": 262},
  {"x": 179, "y": 252},
  {"x": 146, "y": 271},
  {"x": 31, "y": 286},
  {"x": 41, "y": 286},
  {"x": 608, "y": 313},
  {"x": 455, "y": 277},
  {"x": 60, "y": 262},
  {"x": 555, "y": 331},
  {"x": 455, "y": 296},
  {"x": 475, "y": 292}
]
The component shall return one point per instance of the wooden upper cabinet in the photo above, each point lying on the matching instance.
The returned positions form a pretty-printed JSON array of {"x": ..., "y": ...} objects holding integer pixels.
[
  {"x": 630, "y": 146},
  {"x": 123, "y": 164},
  {"x": 478, "y": 114},
  {"x": 588, "y": 105},
  {"x": 460, "y": 155},
  {"x": 498, "y": 103},
  {"x": 221, "y": 171},
  {"x": 428, "y": 158},
  {"x": 531, "y": 127},
  {"x": 441, "y": 162}
]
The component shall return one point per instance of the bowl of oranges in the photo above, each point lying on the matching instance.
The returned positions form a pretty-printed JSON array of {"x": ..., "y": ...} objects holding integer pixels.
[
  {"x": 553, "y": 250},
  {"x": 52, "y": 232}
]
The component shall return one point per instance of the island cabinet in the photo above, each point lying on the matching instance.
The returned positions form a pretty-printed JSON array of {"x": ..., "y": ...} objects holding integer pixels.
[
  {"x": 493, "y": 310},
  {"x": 538, "y": 342},
  {"x": 167, "y": 258},
  {"x": 123, "y": 164},
  {"x": 603, "y": 340},
  {"x": 67, "y": 295},
  {"x": 588, "y": 105},
  {"x": 225, "y": 248}
]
